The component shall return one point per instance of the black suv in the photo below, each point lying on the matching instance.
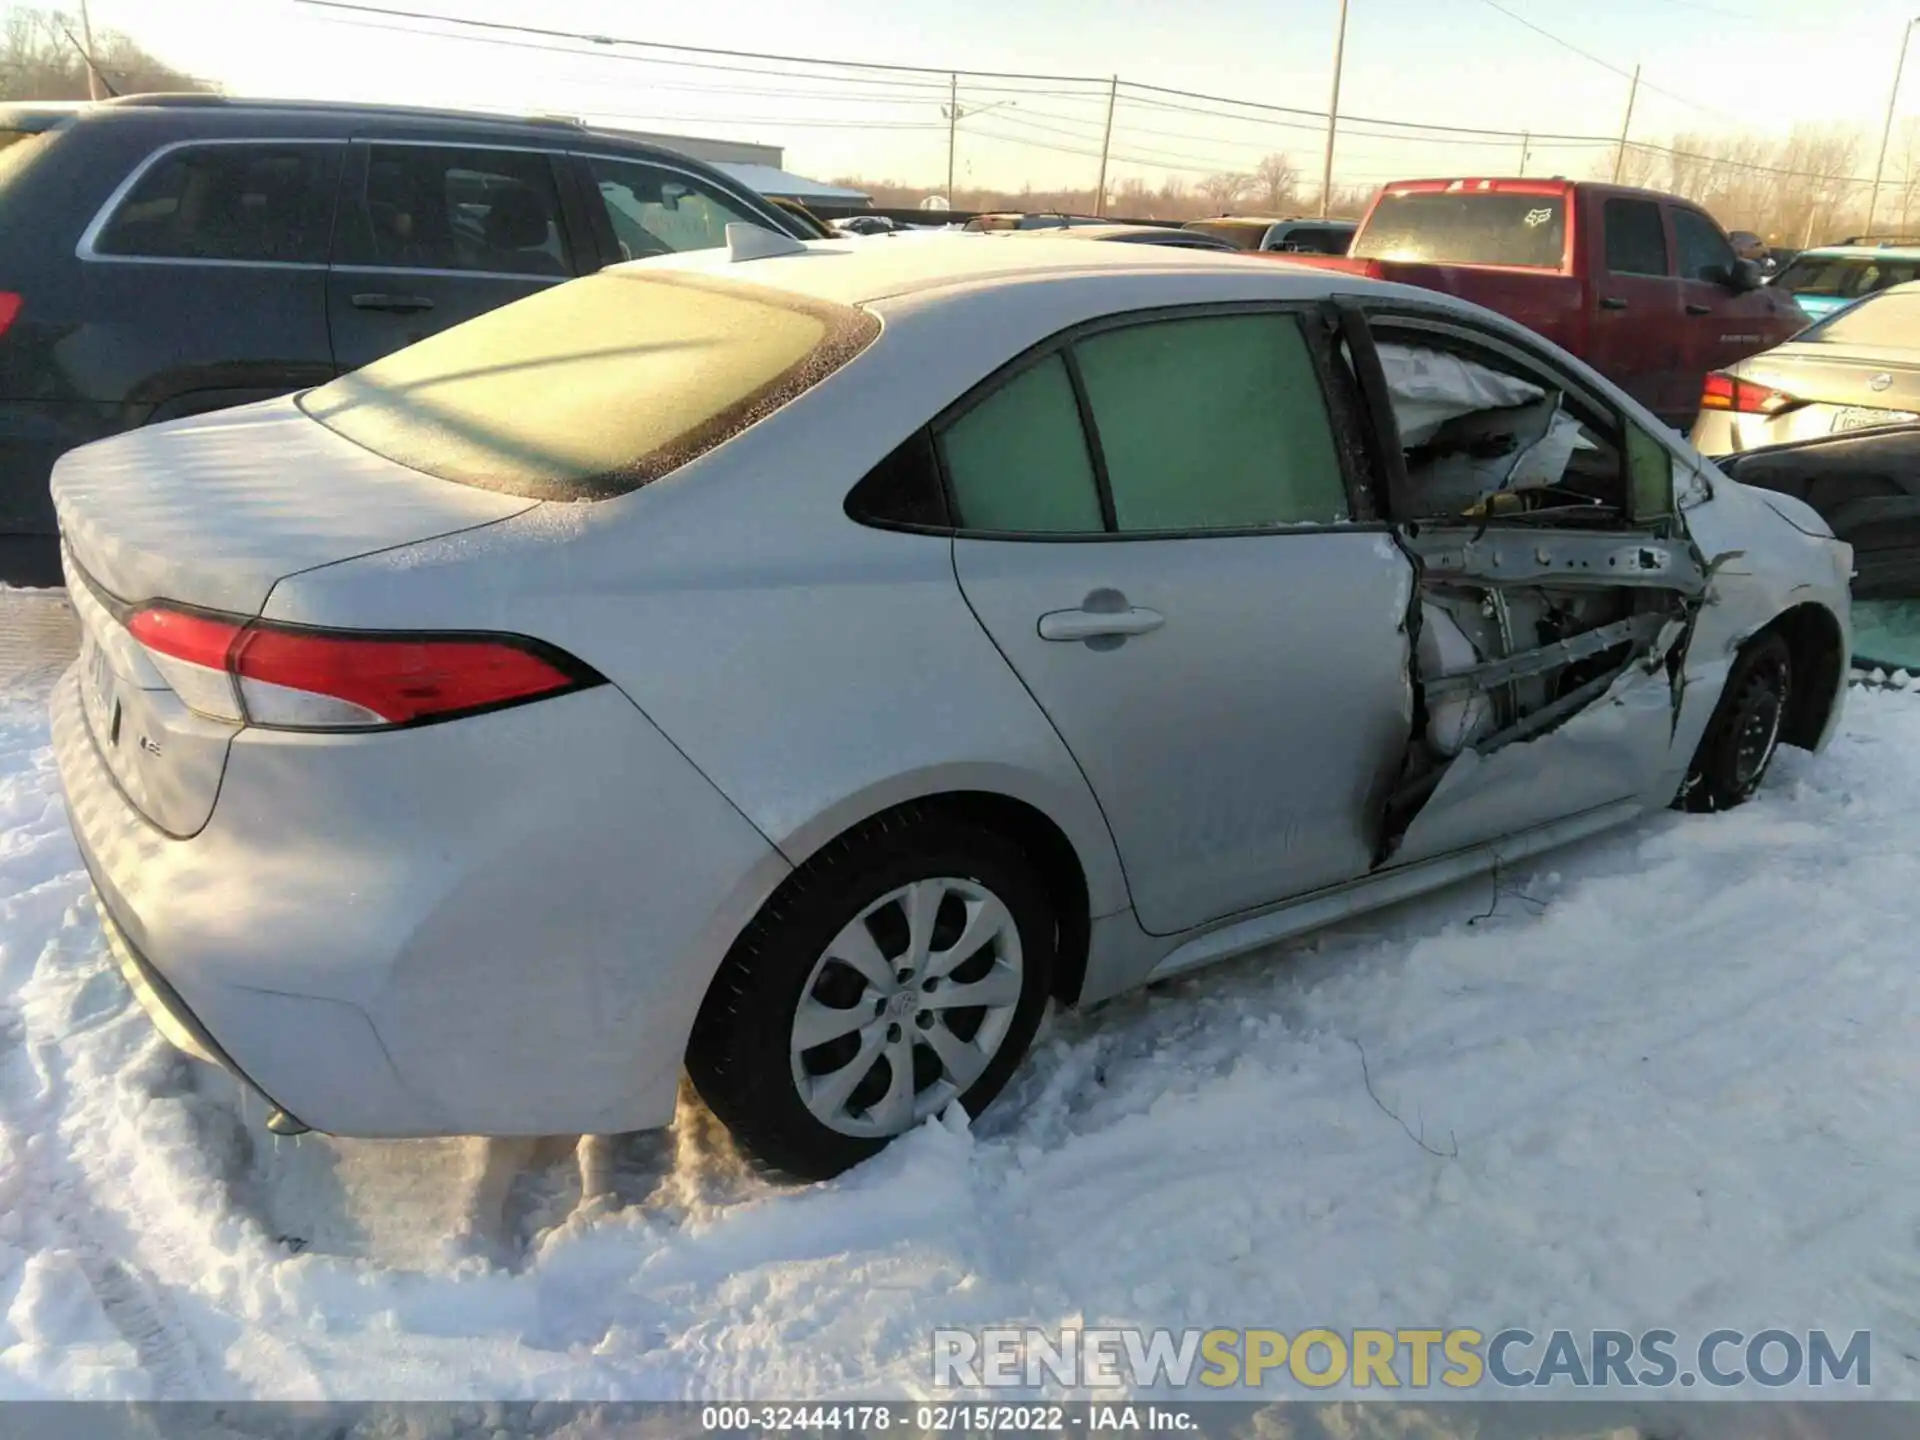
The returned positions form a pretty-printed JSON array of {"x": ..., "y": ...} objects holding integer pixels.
[{"x": 167, "y": 255}]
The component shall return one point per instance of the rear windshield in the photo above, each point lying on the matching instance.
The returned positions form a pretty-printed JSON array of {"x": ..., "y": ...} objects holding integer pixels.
[
  {"x": 1466, "y": 228},
  {"x": 1236, "y": 233},
  {"x": 1844, "y": 276},
  {"x": 592, "y": 388},
  {"x": 1882, "y": 322}
]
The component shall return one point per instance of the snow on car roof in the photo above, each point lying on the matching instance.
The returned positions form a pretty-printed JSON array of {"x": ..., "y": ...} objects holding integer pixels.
[{"x": 858, "y": 271}]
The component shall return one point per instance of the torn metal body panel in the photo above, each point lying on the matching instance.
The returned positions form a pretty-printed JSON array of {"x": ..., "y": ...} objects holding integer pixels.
[{"x": 1540, "y": 653}]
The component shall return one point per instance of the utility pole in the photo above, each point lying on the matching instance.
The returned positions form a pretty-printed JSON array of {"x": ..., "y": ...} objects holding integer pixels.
[
  {"x": 953, "y": 128},
  {"x": 86, "y": 36},
  {"x": 1333, "y": 112},
  {"x": 1873, "y": 195},
  {"x": 1526, "y": 143},
  {"x": 1620, "y": 155},
  {"x": 1106, "y": 144}
]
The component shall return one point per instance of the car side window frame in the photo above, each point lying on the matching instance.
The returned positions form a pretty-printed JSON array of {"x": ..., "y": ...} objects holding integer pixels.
[
  {"x": 1499, "y": 348},
  {"x": 1319, "y": 327},
  {"x": 352, "y": 187},
  {"x": 84, "y": 248}
]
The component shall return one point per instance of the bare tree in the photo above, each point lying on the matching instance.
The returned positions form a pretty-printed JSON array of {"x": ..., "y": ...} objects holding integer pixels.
[
  {"x": 1221, "y": 191},
  {"x": 1276, "y": 180},
  {"x": 42, "y": 58},
  {"x": 1134, "y": 198},
  {"x": 1635, "y": 167}
]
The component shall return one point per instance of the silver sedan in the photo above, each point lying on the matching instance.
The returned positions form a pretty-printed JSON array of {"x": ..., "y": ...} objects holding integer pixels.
[
  {"x": 797, "y": 665},
  {"x": 1858, "y": 369}
]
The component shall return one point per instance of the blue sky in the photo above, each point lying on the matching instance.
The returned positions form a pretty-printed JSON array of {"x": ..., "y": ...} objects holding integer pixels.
[{"x": 1761, "y": 66}]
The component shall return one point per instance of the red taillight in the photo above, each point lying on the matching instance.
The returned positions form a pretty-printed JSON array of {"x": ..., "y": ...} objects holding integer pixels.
[
  {"x": 1729, "y": 392},
  {"x": 289, "y": 678},
  {"x": 10, "y": 303}
]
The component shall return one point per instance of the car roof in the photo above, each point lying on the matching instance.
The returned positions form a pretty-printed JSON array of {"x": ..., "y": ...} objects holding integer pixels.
[
  {"x": 1860, "y": 252},
  {"x": 1093, "y": 232},
  {"x": 858, "y": 272}
]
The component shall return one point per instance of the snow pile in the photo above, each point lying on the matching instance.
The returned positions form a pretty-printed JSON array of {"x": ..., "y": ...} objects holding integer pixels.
[{"x": 1663, "y": 1079}]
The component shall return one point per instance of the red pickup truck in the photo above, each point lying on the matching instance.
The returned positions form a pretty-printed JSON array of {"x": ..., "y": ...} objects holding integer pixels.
[{"x": 1644, "y": 287}]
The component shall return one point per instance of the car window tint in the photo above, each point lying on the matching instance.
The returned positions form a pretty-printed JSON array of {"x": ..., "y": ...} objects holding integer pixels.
[
  {"x": 656, "y": 211},
  {"x": 1844, "y": 276},
  {"x": 1636, "y": 240},
  {"x": 1211, "y": 423},
  {"x": 445, "y": 207},
  {"x": 1704, "y": 251},
  {"x": 225, "y": 202},
  {"x": 1465, "y": 228},
  {"x": 1018, "y": 461},
  {"x": 903, "y": 489}
]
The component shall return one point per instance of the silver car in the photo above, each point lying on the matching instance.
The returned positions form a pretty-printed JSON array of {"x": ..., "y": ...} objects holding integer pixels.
[
  {"x": 1858, "y": 369},
  {"x": 799, "y": 665}
]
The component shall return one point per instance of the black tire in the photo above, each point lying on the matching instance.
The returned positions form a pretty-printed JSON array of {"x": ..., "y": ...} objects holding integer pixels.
[
  {"x": 739, "y": 1055},
  {"x": 1744, "y": 733}
]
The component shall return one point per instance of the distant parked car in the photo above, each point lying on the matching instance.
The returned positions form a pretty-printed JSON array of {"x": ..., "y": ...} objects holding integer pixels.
[
  {"x": 1823, "y": 280},
  {"x": 1022, "y": 220},
  {"x": 797, "y": 671},
  {"x": 812, "y": 224},
  {"x": 866, "y": 225},
  {"x": 1181, "y": 239},
  {"x": 169, "y": 255},
  {"x": 1644, "y": 287},
  {"x": 1858, "y": 369},
  {"x": 1293, "y": 236}
]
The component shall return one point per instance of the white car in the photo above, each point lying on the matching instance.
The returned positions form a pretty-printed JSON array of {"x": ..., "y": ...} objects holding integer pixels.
[{"x": 800, "y": 663}]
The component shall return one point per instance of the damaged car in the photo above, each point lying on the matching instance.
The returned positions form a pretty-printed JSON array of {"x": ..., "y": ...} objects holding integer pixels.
[{"x": 798, "y": 666}]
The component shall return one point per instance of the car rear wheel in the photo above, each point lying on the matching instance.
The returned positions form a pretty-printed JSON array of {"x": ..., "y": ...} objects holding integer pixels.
[
  {"x": 903, "y": 969},
  {"x": 1744, "y": 733}
]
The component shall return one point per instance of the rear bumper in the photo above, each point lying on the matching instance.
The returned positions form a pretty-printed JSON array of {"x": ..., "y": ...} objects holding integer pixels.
[{"x": 503, "y": 925}]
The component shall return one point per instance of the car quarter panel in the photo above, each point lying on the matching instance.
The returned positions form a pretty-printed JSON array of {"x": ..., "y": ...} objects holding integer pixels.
[{"x": 498, "y": 926}]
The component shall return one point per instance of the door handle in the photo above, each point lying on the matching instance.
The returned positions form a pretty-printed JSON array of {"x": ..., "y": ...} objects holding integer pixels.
[
  {"x": 1699, "y": 309},
  {"x": 1101, "y": 619},
  {"x": 1612, "y": 302},
  {"x": 396, "y": 304}
]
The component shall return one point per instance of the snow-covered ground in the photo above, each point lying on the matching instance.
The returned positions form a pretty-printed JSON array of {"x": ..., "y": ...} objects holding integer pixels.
[{"x": 1679, "y": 1066}]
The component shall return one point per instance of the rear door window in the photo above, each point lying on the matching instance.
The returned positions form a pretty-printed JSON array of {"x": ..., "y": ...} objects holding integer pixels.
[
  {"x": 447, "y": 207},
  {"x": 658, "y": 211},
  {"x": 1213, "y": 423},
  {"x": 258, "y": 203},
  {"x": 1705, "y": 253},
  {"x": 1466, "y": 228},
  {"x": 1636, "y": 238}
]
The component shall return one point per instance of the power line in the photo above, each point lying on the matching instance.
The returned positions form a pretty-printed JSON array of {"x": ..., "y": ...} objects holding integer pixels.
[
  {"x": 909, "y": 92},
  {"x": 501, "y": 25},
  {"x": 1607, "y": 64}
]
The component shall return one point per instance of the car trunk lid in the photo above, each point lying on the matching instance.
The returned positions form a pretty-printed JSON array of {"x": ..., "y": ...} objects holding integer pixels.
[
  {"x": 1837, "y": 375},
  {"x": 209, "y": 513}
]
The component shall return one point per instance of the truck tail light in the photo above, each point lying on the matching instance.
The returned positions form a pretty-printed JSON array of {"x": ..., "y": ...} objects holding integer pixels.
[
  {"x": 1729, "y": 392},
  {"x": 10, "y": 303},
  {"x": 293, "y": 678}
]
